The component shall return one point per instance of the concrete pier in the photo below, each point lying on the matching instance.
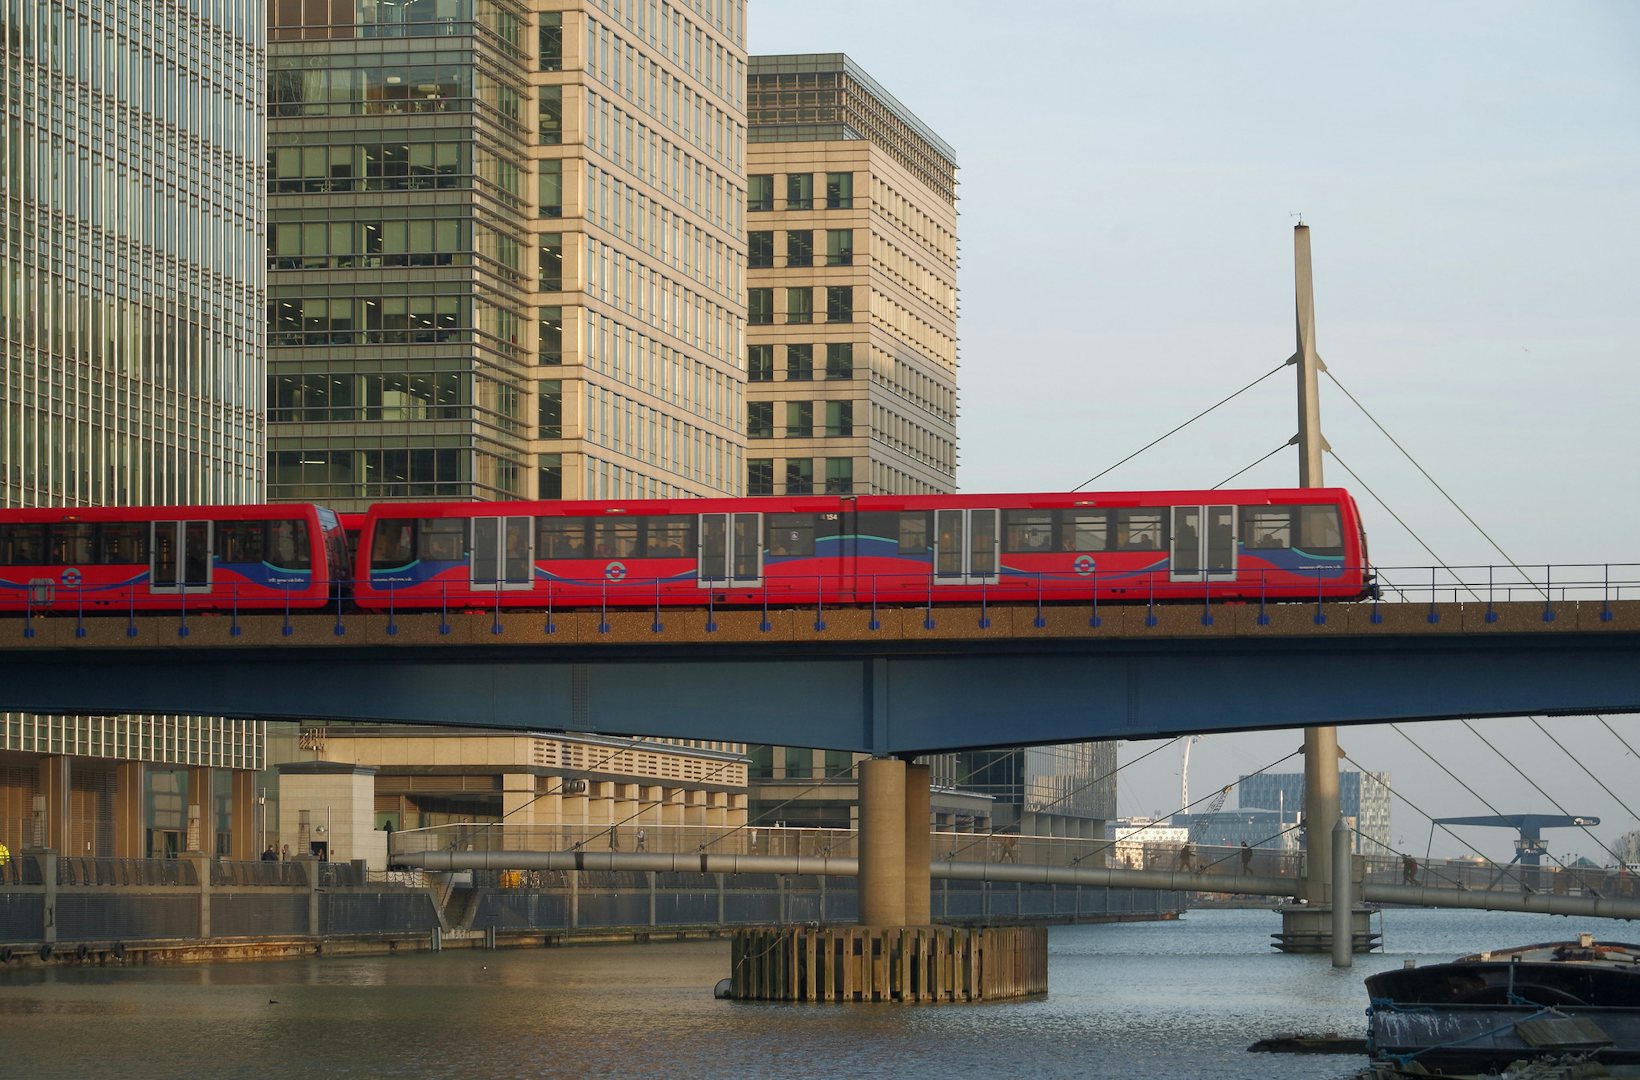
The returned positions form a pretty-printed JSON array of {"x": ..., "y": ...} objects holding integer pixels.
[{"x": 889, "y": 964}]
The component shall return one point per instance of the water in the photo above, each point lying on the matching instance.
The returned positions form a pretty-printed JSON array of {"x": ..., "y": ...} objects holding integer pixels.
[{"x": 1152, "y": 1001}]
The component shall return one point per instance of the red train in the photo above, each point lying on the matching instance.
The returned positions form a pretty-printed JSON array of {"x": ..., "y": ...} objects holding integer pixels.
[
  {"x": 886, "y": 549},
  {"x": 171, "y": 558}
]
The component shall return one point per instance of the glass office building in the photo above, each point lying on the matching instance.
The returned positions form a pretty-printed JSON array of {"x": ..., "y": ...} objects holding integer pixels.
[{"x": 132, "y": 212}]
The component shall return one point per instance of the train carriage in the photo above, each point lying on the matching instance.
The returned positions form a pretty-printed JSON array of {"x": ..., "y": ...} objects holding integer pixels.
[
  {"x": 198, "y": 558},
  {"x": 1058, "y": 548}
]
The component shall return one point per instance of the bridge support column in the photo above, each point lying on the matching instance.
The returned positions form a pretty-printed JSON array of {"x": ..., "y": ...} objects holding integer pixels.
[
  {"x": 919, "y": 844},
  {"x": 882, "y": 842}
]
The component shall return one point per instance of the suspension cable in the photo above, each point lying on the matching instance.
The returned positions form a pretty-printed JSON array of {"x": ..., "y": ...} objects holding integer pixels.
[
  {"x": 1539, "y": 789},
  {"x": 1255, "y": 464},
  {"x": 1590, "y": 775},
  {"x": 1618, "y": 737},
  {"x": 1182, "y": 426},
  {"x": 1398, "y": 519},
  {"x": 1406, "y": 454}
]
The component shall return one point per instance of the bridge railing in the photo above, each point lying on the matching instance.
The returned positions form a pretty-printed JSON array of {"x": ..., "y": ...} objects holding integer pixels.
[{"x": 1483, "y": 584}]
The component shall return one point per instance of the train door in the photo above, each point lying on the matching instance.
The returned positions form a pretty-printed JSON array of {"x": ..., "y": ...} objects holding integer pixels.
[
  {"x": 1204, "y": 543},
  {"x": 965, "y": 547},
  {"x": 180, "y": 557},
  {"x": 503, "y": 553},
  {"x": 731, "y": 551}
]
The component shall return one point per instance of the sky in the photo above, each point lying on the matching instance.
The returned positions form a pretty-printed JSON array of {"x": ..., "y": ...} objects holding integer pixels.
[{"x": 1470, "y": 172}]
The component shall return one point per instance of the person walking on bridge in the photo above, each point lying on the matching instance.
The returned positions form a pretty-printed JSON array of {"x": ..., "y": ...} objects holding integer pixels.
[
  {"x": 1246, "y": 858},
  {"x": 1187, "y": 858},
  {"x": 1409, "y": 870}
]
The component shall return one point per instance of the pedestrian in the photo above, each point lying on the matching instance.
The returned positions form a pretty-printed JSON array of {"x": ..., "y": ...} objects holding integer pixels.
[
  {"x": 643, "y": 840},
  {"x": 270, "y": 855},
  {"x": 1409, "y": 870},
  {"x": 1008, "y": 845},
  {"x": 1246, "y": 858},
  {"x": 1187, "y": 857},
  {"x": 284, "y": 853},
  {"x": 614, "y": 839}
]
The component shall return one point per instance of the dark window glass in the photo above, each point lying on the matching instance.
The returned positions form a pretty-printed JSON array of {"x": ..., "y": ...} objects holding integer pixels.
[
  {"x": 760, "y": 192},
  {"x": 552, "y": 262},
  {"x": 549, "y": 409},
  {"x": 800, "y": 305},
  {"x": 22, "y": 545},
  {"x": 1266, "y": 527},
  {"x": 759, "y": 306},
  {"x": 759, "y": 476},
  {"x": 1084, "y": 530},
  {"x": 551, "y": 46},
  {"x": 839, "y": 475},
  {"x": 839, "y": 247},
  {"x": 550, "y": 188},
  {"x": 124, "y": 543},
  {"x": 760, "y": 249},
  {"x": 1140, "y": 530},
  {"x": 1027, "y": 530},
  {"x": 799, "y": 363},
  {"x": 799, "y": 476},
  {"x": 443, "y": 539},
  {"x": 287, "y": 545},
  {"x": 879, "y": 525},
  {"x": 761, "y": 761},
  {"x": 840, "y": 418},
  {"x": 72, "y": 543},
  {"x": 239, "y": 541},
  {"x": 839, "y": 303},
  {"x": 670, "y": 537},
  {"x": 562, "y": 537},
  {"x": 550, "y": 121},
  {"x": 800, "y": 247},
  {"x": 760, "y": 363},
  {"x": 790, "y": 534},
  {"x": 760, "y": 419},
  {"x": 800, "y": 191},
  {"x": 550, "y": 335},
  {"x": 549, "y": 476},
  {"x": 914, "y": 533},
  {"x": 839, "y": 191},
  {"x": 1319, "y": 532},
  {"x": 799, "y": 419},
  {"x": 614, "y": 538},
  {"x": 840, "y": 360},
  {"x": 799, "y": 763}
]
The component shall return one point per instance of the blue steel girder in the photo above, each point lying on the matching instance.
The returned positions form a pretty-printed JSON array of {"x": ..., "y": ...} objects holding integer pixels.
[{"x": 892, "y": 697}]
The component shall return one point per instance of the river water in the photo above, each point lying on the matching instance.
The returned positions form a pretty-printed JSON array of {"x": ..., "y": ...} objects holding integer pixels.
[{"x": 1157, "y": 1001}]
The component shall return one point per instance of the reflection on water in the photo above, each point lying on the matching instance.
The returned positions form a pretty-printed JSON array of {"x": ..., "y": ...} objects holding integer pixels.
[{"x": 1148, "y": 1000}]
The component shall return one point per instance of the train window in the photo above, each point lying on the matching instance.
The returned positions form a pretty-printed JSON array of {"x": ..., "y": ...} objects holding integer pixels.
[
  {"x": 561, "y": 538},
  {"x": 239, "y": 541},
  {"x": 124, "y": 543},
  {"x": 1027, "y": 530},
  {"x": 443, "y": 539},
  {"x": 390, "y": 545},
  {"x": 791, "y": 534},
  {"x": 879, "y": 526},
  {"x": 22, "y": 545},
  {"x": 1139, "y": 530},
  {"x": 1084, "y": 530},
  {"x": 614, "y": 538},
  {"x": 1267, "y": 527},
  {"x": 1318, "y": 530},
  {"x": 914, "y": 533},
  {"x": 669, "y": 537},
  {"x": 71, "y": 544},
  {"x": 288, "y": 546}
]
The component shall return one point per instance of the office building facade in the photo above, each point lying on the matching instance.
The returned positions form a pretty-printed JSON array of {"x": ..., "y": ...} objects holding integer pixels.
[
  {"x": 1363, "y": 797},
  {"x": 505, "y": 249},
  {"x": 130, "y": 306}
]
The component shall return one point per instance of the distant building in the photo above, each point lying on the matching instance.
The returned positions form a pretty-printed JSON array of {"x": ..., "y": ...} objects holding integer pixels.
[
  {"x": 1138, "y": 840},
  {"x": 1362, "y": 796},
  {"x": 1232, "y": 828}
]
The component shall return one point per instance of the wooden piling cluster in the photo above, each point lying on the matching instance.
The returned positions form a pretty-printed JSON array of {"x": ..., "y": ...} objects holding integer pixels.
[{"x": 889, "y": 964}]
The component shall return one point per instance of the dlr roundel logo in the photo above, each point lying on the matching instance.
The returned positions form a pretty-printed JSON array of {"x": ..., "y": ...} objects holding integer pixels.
[{"x": 72, "y": 578}]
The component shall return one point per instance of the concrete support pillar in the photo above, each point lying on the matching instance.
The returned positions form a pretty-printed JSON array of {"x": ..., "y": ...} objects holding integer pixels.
[
  {"x": 1343, "y": 936},
  {"x": 882, "y": 842},
  {"x": 247, "y": 839},
  {"x": 1320, "y": 811},
  {"x": 518, "y": 813},
  {"x": 918, "y": 845},
  {"x": 130, "y": 826}
]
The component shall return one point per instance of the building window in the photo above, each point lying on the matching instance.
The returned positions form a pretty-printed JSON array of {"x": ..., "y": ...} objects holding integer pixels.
[
  {"x": 799, "y": 763},
  {"x": 550, "y": 335},
  {"x": 839, "y": 191},
  {"x": 839, "y": 418},
  {"x": 799, "y": 363},
  {"x": 839, "y": 475},
  {"x": 760, "y": 476},
  {"x": 839, "y": 303},
  {"x": 799, "y": 476},
  {"x": 760, "y": 192},
  {"x": 760, "y": 363},
  {"x": 760, "y": 249},
  {"x": 839, "y": 247},
  {"x": 551, "y": 44},
  {"x": 840, "y": 360},
  {"x": 800, "y": 191},
  {"x": 800, "y": 305},
  {"x": 800, "y": 248},
  {"x": 759, "y": 306},
  {"x": 552, "y": 262},
  {"x": 550, "y": 188},
  {"x": 799, "y": 419},
  {"x": 549, "y": 476},
  {"x": 550, "y": 409},
  {"x": 549, "y": 123},
  {"x": 760, "y": 419}
]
